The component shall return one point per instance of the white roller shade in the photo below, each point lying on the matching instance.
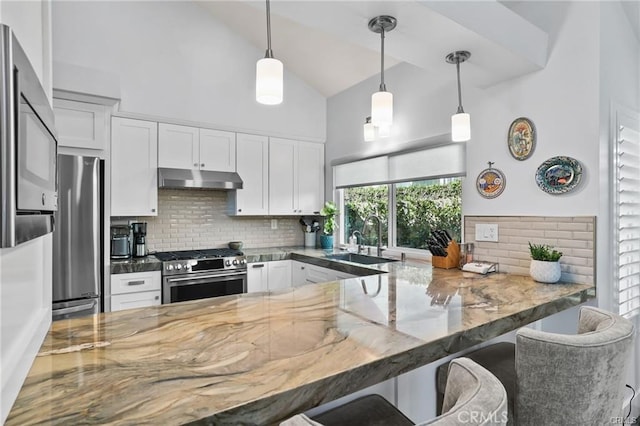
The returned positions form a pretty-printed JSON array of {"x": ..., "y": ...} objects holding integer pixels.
[
  {"x": 447, "y": 160},
  {"x": 363, "y": 172},
  {"x": 439, "y": 161}
]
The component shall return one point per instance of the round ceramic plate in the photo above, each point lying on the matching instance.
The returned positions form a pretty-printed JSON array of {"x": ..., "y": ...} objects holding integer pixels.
[
  {"x": 490, "y": 183},
  {"x": 559, "y": 175}
]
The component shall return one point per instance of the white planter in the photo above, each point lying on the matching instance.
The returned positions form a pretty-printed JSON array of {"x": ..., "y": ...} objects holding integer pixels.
[{"x": 545, "y": 272}]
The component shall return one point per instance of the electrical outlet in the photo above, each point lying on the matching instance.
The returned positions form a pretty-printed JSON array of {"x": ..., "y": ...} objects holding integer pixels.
[
  {"x": 274, "y": 223},
  {"x": 487, "y": 232}
]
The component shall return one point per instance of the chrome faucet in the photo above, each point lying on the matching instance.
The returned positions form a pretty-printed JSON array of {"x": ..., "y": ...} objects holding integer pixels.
[{"x": 366, "y": 221}]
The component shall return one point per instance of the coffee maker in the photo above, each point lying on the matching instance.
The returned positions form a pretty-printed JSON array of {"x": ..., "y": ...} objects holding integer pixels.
[
  {"x": 139, "y": 239},
  {"x": 120, "y": 242}
]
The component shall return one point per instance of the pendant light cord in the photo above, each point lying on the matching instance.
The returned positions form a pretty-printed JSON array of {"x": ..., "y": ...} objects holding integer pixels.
[
  {"x": 269, "y": 53},
  {"x": 460, "y": 110},
  {"x": 383, "y": 87}
]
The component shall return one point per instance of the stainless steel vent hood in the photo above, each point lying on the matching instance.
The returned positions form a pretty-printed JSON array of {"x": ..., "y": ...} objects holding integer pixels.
[{"x": 198, "y": 179}]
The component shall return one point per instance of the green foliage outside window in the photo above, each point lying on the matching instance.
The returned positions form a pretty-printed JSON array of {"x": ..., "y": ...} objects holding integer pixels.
[{"x": 420, "y": 207}]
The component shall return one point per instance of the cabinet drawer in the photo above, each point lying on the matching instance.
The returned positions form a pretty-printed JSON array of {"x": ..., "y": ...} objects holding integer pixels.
[
  {"x": 135, "y": 282},
  {"x": 319, "y": 275},
  {"x": 143, "y": 299}
]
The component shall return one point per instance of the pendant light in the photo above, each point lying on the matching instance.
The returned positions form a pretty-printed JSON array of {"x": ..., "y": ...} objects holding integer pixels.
[
  {"x": 382, "y": 101},
  {"x": 369, "y": 130},
  {"x": 460, "y": 121},
  {"x": 269, "y": 80}
]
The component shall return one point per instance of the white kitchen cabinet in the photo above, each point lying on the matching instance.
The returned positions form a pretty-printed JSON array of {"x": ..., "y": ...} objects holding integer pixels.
[
  {"x": 343, "y": 275},
  {"x": 257, "y": 277},
  {"x": 120, "y": 302},
  {"x": 318, "y": 274},
  {"x": 305, "y": 273},
  {"x": 81, "y": 124},
  {"x": 178, "y": 146},
  {"x": 134, "y": 167},
  {"x": 253, "y": 167},
  {"x": 184, "y": 147},
  {"x": 135, "y": 290},
  {"x": 298, "y": 273},
  {"x": 217, "y": 150},
  {"x": 296, "y": 177},
  {"x": 279, "y": 275}
]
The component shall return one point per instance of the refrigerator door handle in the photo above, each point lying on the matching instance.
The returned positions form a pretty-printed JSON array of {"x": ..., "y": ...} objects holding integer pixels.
[{"x": 73, "y": 309}]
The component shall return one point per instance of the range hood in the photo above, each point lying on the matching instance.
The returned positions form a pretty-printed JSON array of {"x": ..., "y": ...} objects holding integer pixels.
[{"x": 198, "y": 179}]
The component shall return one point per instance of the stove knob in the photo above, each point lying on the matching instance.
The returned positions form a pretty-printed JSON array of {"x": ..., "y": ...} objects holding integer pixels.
[
  {"x": 179, "y": 266},
  {"x": 169, "y": 267},
  {"x": 243, "y": 262},
  {"x": 227, "y": 263},
  {"x": 235, "y": 262}
]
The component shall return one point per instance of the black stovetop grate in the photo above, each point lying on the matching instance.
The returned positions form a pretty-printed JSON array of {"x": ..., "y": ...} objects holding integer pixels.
[{"x": 196, "y": 254}]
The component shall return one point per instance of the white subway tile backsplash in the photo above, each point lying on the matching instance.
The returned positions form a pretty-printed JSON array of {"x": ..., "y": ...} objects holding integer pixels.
[
  {"x": 192, "y": 219},
  {"x": 574, "y": 236}
]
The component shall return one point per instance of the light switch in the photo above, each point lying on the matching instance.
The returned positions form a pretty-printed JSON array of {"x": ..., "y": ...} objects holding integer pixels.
[
  {"x": 487, "y": 232},
  {"x": 274, "y": 223}
]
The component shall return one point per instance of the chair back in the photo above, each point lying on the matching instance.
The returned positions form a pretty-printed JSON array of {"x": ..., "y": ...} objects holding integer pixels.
[
  {"x": 573, "y": 379},
  {"x": 472, "y": 396}
]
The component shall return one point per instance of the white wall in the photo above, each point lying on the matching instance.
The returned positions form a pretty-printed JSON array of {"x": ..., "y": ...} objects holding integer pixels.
[
  {"x": 25, "y": 271},
  {"x": 175, "y": 60},
  {"x": 30, "y": 22}
]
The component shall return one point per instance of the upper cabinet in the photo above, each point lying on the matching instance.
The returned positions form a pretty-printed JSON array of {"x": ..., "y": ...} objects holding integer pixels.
[
  {"x": 253, "y": 167},
  {"x": 80, "y": 124},
  {"x": 296, "y": 177},
  {"x": 183, "y": 147},
  {"x": 134, "y": 167}
]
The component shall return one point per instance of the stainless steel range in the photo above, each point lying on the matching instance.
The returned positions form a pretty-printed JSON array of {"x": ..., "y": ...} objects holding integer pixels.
[{"x": 199, "y": 274}]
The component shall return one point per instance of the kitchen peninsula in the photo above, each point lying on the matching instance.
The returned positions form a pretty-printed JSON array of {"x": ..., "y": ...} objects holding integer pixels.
[{"x": 259, "y": 358}]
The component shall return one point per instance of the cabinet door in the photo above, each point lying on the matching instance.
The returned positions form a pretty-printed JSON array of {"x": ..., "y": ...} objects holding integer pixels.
[
  {"x": 81, "y": 125},
  {"x": 298, "y": 273},
  {"x": 317, "y": 274},
  {"x": 134, "y": 167},
  {"x": 217, "y": 150},
  {"x": 310, "y": 167},
  {"x": 283, "y": 182},
  {"x": 178, "y": 146},
  {"x": 279, "y": 274},
  {"x": 257, "y": 277},
  {"x": 253, "y": 167},
  {"x": 143, "y": 299}
]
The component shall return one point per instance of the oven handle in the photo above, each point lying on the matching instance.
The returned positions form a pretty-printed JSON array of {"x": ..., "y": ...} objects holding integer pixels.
[{"x": 200, "y": 277}]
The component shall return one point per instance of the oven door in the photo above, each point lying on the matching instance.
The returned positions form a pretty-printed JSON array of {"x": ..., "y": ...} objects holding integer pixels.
[{"x": 203, "y": 285}]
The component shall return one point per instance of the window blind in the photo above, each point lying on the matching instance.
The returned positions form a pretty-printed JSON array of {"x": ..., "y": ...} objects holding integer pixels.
[
  {"x": 437, "y": 161},
  {"x": 627, "y": 214}
]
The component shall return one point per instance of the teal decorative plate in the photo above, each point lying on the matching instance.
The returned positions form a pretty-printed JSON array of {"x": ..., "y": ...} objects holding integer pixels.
[{"x": 559, "y": 175}]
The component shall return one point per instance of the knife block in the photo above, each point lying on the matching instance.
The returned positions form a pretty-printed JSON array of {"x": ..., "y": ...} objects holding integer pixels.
[{"x": 452, "y": 260}]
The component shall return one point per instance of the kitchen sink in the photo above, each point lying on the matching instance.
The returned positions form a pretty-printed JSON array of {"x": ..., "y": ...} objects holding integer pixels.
[{"x": 359, "y": 258}]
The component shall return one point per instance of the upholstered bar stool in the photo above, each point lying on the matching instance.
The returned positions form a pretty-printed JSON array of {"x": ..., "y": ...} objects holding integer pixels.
[
  {"x": 472, "y": 393},
  {"x": 555, "y": 378}
]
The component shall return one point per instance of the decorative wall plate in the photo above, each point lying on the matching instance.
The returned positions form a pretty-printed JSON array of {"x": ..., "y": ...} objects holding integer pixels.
[
  {"x": 522, "y": 138},
  {"x": 559, "y": 175},
  {"x": 490, "y": 183}
]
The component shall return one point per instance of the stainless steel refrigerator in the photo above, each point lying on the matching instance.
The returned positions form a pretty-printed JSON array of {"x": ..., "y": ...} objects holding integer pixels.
[{"x": 77, "y": 238}]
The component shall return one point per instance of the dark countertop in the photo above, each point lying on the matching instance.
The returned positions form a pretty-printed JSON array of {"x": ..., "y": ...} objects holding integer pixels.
[
  {"x": 257, "y": 358},
  {"x": 135, "y": 264}
]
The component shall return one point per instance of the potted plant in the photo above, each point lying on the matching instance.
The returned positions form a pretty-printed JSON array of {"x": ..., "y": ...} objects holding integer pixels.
[
  {"x": 545, "y": 265},
  {"x": 329, "y": 212}
]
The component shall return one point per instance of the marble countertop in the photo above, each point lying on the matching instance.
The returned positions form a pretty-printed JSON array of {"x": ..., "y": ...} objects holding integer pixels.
[{"x": 257, "y": 358}]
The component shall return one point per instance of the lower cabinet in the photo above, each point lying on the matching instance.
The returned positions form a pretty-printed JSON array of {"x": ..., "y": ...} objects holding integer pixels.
[
  {"x": 268, "y": 276},
  {"x": 135, "y": 290},
  {"x": 305, "y": 273}
]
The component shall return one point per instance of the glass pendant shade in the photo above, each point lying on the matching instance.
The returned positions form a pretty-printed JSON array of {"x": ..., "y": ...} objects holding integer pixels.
[
  {"x": 460, "y": 127},
  {"x": 369, "y": 131},
  {"x": 269, "y": 81},
  {"x": 382, "y": 109}
]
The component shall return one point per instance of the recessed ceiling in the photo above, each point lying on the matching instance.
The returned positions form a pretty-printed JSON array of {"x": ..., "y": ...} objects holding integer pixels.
[{"x": 328, "y": 44}]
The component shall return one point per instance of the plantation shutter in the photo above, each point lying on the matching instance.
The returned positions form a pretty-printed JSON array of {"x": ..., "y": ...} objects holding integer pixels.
[
  {"x": 438, "y": 161},
  {"x": 627, "y": 214}
]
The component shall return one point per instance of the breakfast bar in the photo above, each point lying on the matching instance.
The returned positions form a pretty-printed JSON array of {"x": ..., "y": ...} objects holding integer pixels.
[{"x": 260, "y": 358}]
